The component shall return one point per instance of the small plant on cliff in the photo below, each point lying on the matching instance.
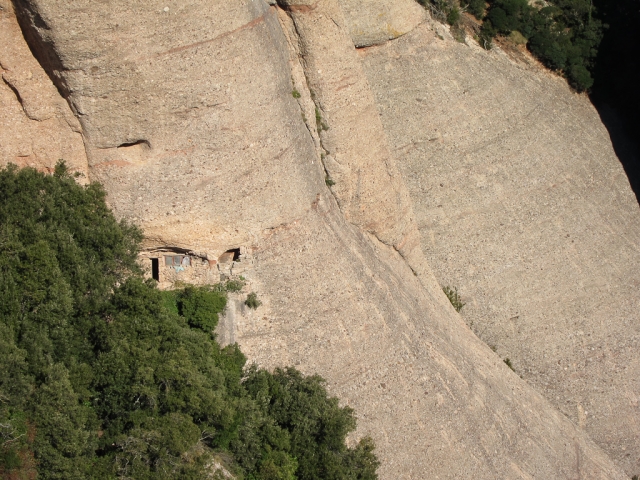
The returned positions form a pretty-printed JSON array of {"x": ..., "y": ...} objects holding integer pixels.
[
  {"x": 230, "y": 286},
  {"x": 454, "y": 298},
  {"x": 329, "y": 182},
  {"x": 295, "y": 93},
  {"x": 475, "y": 7},
  {"x": 252, "y": 301},
  {"x": 507, "y": 361},
  {"x": 443, "y": 10},
  {"x": 453, "y": 16},
  {"x": 320, "y": 123}
]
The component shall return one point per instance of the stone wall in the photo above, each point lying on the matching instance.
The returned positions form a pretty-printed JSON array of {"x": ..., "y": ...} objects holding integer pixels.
[{"x": 173, "y": 268}]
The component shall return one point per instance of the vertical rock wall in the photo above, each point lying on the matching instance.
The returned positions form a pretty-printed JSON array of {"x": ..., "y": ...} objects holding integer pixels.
[
  {"x": 37, "y": 127},
  {"x": 187, "y": 114},
  {"x": 353, "y": 144}
]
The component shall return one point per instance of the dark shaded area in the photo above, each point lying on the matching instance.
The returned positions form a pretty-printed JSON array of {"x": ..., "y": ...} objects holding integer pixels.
[
  {"x": 36, "y": 32},
  {"x": 616, "y": 92},
  {"x": 144, "y": 143},
  {"x": 155, "y": 269},
  {"x": 235, "y": 252},
  {"x": 623, "y": 131}
]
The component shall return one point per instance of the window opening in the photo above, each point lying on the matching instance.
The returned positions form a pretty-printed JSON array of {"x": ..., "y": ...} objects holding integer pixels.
[
  {"x": 155, "y": 269},
  {"x": 229, "y": 256},
  {"x": 177, "y": 260}
]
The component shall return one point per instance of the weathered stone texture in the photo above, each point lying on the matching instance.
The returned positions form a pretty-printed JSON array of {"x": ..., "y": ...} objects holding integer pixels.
[
  {"x": 371, "y": 22},
  {"x": 187, "y": 114},
  {"x": 523, "y": 205},
  {"x": 37, "y": 128},
  {"x": 190, "y": 122},
  {"x": 437, "y": 401},
  {"x": 353, "y": 144}
]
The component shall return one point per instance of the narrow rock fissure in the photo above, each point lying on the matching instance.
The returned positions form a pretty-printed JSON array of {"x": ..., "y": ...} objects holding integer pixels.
[
  {"x": 311, "y": 94},
  {"x": 31, "y": 23},
  {"x": 143, "y": 143},
  {"x": 320, "y": 125},
  {"x": 16, "y": 93}
]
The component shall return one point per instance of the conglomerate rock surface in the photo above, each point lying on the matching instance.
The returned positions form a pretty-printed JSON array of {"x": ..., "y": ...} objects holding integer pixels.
[
  {"x": 372, "y": 22},
  {"x": 189, "y": 120},
  {"x": 523, "y": 205},
  {"x": 37, "y": 127}
]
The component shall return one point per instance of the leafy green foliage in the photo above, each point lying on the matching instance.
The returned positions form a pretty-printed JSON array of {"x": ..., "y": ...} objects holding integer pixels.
[
  {"x": 252, "y": 301},
  {"x": 200, "y": 307},
  {"x": 564, "y": 34},
  {"x": 453, "y": 16},
  {"x": 106, "y": 377},
  {"x": 454, "y": 297},
  {"x": 475, "y": 7},
  {"x": 443, "y": 10},
  {"x": 315, "y": 427},
  {"x": 234, "y": 285}
]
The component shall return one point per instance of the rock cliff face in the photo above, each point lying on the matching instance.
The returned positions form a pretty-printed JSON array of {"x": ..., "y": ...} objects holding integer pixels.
[
  {"x": 37, "y": 128},
  {"x": 523, "y": 205},
  {"x": 218, "y": 125}
]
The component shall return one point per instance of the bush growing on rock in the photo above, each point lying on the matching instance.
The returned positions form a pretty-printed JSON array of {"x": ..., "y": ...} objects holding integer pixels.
[{"x": 563, "y": 34}]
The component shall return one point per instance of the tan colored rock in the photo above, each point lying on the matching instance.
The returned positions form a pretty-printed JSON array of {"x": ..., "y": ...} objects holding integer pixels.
[
  {"x": 523, "y": 205},
  {"x": 190, "y": 122},
  {"x": 37, "y": 127},
  {"x": 187, "y": 113},
  {"x": 371, "y": 22},
  {"x": 437, "y": 401},
  {"x": 353, "y": 144}
]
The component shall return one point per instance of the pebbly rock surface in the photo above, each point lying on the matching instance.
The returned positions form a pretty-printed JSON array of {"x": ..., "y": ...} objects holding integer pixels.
[
  {"x": 187, "y": 113},
  {"x": 353, "y": 147},
  {"x": 37, "y": 127},
  {"x": 524, "y": 207},
  {"x": 371, "y": 22},
  {"x": 199, "y": 119}
]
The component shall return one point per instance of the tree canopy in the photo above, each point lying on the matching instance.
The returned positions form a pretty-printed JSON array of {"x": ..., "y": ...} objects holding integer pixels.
[
  {"x": 562, "y": 34},
  {"x": 105, "y": 376}
]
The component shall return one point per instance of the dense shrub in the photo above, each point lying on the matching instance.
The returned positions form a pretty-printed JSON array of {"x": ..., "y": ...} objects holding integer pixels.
[
  {"x": 564, "y": 34},
  {"x": 475, "y": 7},
  {"x": 453, "y": 16},
  {"x": 200, "y": 307},
  {"x": 106, "y": 377}
]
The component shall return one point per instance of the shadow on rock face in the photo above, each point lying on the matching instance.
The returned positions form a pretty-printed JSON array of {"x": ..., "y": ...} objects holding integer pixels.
[
  {"x": 617, "y": 75},
  {"x": 625, "y": 140}
]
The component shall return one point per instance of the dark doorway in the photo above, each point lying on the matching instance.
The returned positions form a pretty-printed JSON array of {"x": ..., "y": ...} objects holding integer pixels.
[{"x": 155, "y": 269}]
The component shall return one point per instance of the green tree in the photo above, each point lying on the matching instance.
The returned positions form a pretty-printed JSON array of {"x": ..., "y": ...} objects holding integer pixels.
[
  {"x": 563, "y": 34},
  {"x": 106, "y": 377}
]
